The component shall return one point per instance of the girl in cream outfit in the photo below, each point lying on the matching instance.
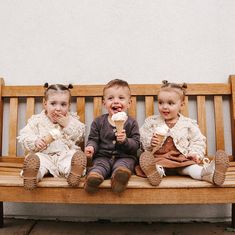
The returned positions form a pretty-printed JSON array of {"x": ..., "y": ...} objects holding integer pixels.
[{"x": 61, "y": 156}]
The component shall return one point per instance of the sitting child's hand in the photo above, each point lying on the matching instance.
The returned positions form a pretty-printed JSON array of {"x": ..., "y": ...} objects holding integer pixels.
[
  {"x": 40, "y": 144},
  {"x": 89, "y": 151},
  {"x": 155, "y": 141},
  {"x": 194, "y": 157},
  {"x": 61, "y": 119},
  {"x": 121, "y": 137}
]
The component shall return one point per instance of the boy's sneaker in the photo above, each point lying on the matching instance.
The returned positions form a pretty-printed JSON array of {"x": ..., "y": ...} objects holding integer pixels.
[
  {"x": 30, "y": 171},
  {"x": 78, "y": 166},
  {"x": 153, "y": 171},
  {"x": 215, "y": 171},
  {"x": 93, "y": 181},
  {"x": 120, "y": 179}
]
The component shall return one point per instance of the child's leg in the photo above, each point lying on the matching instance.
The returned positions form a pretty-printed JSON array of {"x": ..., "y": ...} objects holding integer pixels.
[
  {"x": 194, "y": 171},
  {"x": 122, "y": 170},
  {"x": 97, "y": 173},
  {"x": 30, "y": 171},
  {"x": 77, "y": 168},
  {"x": 153, "y": 171}
]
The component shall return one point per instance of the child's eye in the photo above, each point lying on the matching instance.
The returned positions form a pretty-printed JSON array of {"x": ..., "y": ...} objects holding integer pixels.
[
  {"x": 121, "y": 98},
  {"x": 159, "y": 102},
  {"x": 52, "y": 103},
  {"x": 110, "y": 98},
  {"x": 171, "y": 103},
  {"x": 64, "y": 104}
]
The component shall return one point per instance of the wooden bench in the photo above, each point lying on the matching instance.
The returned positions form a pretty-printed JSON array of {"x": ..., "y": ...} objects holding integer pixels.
[{"x": 173, "y": 189}]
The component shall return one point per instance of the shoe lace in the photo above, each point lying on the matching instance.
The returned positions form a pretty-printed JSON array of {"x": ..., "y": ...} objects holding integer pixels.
[
  {"x": 206, "y": 161},
  {"x": 161, "y": 170}
]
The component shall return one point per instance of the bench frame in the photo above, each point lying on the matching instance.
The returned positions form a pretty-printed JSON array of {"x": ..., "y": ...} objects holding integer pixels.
[{"x": 173, "y": 190}]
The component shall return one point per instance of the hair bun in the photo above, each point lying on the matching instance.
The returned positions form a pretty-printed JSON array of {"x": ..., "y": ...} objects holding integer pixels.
[
  {"x": 46, "y": 85},
  {"x": 184, "y": 85},
  {"x": 70, "y": 86}
]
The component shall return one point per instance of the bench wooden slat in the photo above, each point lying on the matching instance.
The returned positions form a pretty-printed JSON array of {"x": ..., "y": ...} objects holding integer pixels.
[
  {"x": 13, "y": 116},
  {"x": 149, "y": 106},
  {"x": 97, "y": 107},
  {"x": 30, "y": 107},
  {"x": 132, "y": 109},
  {"x": 136, "y": 89},
  {"x": 219, "y": 122},
  {"x": 232, "y": 81},
  {"x": 1, "y": 112},
  {"x": 81, "y": 108}
]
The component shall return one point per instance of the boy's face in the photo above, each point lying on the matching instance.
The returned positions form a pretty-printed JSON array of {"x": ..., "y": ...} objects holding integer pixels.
[
  {"x": 116, "y": 99},
  {"x": 56, "y": 105}
]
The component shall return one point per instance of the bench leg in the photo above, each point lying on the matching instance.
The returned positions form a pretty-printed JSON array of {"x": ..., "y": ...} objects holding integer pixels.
[
  {"x": 233, "y": 216},
  {"x": 1, "y": 214}
]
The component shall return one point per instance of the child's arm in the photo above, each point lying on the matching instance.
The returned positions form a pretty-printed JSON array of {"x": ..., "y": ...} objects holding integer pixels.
[
  {"x": 197, "y": 146},
  {"x": 131, "y": 143},
  {"x": 146, "y": 134},
  {"x": 72, "y": 127},
  {"x": 29, "y": 135}
]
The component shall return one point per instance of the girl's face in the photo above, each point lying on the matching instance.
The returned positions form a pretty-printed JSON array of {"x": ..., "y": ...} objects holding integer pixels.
[
  {"x": 116, "y": 99},
  {"x": 169, "y": 105},
  {"x": 57, "y": 103}
]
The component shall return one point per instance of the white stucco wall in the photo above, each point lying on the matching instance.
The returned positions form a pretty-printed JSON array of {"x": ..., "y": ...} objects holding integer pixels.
[{"x": 92, "y": 42}]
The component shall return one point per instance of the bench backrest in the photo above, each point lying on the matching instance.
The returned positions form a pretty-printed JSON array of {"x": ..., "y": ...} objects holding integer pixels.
[{"x": 11, "y": 98}]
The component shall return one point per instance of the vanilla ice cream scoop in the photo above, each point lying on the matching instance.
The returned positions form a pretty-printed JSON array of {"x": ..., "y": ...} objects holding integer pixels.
[
  {"x": 119, "y": 116},
  {"x": 161, "y": 130},
  {"x": 119, "y": 120}
]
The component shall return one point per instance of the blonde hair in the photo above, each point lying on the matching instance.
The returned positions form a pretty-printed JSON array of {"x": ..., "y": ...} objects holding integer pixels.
[
  {"x": 178, "y": 88},
  {"x": 56, "y": 88}
]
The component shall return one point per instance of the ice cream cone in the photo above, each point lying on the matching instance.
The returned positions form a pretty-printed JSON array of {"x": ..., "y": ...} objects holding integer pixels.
[
  {"x": 119, "y": 125},
  {"x": 161, "y": 138},
  {"x": 48, "y": 139}
]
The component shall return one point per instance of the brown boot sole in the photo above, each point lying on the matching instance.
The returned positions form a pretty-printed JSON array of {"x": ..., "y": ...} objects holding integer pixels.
[
  {"x": 30, "y": 171},
  {"x": 120, "y": 180},
  {"x": 78, "y": 165},
  {"x": 148, "y": 166},
  {"x": 221, "y": 166},
  {"x": 93, "y": 182}
]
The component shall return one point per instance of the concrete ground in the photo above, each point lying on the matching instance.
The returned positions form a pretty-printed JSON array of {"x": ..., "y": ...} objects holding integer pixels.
[{"x": 40, "y": 227}]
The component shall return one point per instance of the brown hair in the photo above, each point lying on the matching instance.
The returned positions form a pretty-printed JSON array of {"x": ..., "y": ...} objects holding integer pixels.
[
  {"x": 179, "y": 88},
  {"x": 116, "y": 82},
  {"x": 56, "y": 88}
]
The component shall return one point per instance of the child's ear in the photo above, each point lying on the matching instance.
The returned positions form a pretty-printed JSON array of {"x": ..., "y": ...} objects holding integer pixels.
[{"x": 182, "y": 105}]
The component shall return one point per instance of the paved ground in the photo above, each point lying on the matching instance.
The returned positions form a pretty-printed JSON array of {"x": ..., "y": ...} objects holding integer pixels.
[{"x": 23, "y": 227}]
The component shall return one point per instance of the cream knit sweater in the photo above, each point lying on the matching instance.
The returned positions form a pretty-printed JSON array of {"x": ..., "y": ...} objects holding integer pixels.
[
  {"x": 39, "y": 126},
  {"x": 186, "y": 135}
]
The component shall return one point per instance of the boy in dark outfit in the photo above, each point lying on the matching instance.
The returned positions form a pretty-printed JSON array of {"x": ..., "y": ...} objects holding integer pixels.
[{"x": 113, "y": 154}]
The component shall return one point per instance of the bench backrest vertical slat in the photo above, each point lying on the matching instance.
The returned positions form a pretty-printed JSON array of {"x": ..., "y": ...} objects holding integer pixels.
[
  {"x": 13, "y": 116},
  {"x": 81, "y": 108},
  {"x": 30, "y": 107},
  {"x": 219, "y": 122},
  {"x": 149, "y": 106},
  {"x": 1, "y": 114},
  {"x": 132, "y": 109},
  {"x": 97, "y": 108},
  {"x": 232, "y": 82},
  {"x": 201, "y": 114},
  {"x": 184, "y": 110}
]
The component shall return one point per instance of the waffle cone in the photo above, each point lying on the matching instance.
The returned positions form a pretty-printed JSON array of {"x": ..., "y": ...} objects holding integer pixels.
[
  {"x": 119, "y": 125},
  {"x": 161, "y": 138},
  {"x": 48, "y": 139}
]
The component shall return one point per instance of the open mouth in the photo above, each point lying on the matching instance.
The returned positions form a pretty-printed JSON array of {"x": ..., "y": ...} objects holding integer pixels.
[{"x": 116, "y": 109}]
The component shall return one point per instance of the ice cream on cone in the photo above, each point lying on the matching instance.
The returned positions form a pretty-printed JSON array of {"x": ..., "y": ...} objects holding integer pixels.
[
  {"x": 119, "y": 120},
  {"x": 161, "y": 132},
  {"x": 54, "y": 134}
]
